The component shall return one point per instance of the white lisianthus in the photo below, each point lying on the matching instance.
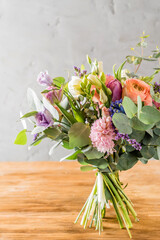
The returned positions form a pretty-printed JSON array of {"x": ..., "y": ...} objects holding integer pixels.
[
  {"x": 74, "y": 86},
  {"x": 94, "y": 81}
]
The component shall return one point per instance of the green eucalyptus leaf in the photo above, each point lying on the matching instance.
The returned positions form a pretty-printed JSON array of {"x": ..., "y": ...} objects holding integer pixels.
[
  {"x": 138, "y": 125},
  {"x": 81, "y": 159},
  {"x": 93, "y": 153},
  {"x": 100, "y": 163},
  {"x": 138, "y": 135},
  {"x": 21, "y": 138},
  {"x": 149, "y": 115},
  {"x": 143, "y": 160},
  {"x": 158, "y": 152},
  {"x": 52, "y": 133},
  {"x": 148, "y": 151},
  {"x": 79, "y": 135},
  {"x": 127, "y": 161},
  {"x": 157, "y": 131},
  {"x": 129, "y": 107},
  {"x": 122, "y": 123}
]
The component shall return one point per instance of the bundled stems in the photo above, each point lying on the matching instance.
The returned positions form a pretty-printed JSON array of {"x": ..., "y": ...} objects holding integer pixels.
[{"x": 95, "y": 207}]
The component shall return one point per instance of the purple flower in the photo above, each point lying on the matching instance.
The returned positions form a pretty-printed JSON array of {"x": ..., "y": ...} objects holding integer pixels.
[
  {"x": 44, "y": 79},
  {"x": 116, "y": 87},
  {"x": 53, "y": 95},
  {"x": 44, "y": 119},
  {"x": 132, "y": 142}
]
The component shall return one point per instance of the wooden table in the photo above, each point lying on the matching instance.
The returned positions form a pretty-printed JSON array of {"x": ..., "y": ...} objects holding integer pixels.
[{"x": 40, "y": 200}]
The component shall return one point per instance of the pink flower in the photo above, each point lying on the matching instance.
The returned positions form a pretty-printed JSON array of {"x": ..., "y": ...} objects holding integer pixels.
[
  {"x": 53, "y": 95},
  {"x": 44, "y": 79},
  {"x": 102, "y": 135},
  {"x": 156, "y": 104},
  {"x": 105, "y": 112}
]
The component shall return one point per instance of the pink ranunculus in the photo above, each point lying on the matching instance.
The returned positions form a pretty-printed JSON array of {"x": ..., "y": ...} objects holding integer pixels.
[
  {"x": 102, "y": 135},
  {"x": 134, "y": 88},
  {"x": 116, "y": 87},
  {"x": 53, "y": 95}
]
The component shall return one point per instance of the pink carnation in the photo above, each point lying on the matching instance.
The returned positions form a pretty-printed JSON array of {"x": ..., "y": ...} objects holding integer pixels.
[{"x": 102, "y": 135}]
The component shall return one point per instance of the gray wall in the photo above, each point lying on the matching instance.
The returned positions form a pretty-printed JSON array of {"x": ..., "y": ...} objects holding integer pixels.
[{"x": 56, "y": 34}]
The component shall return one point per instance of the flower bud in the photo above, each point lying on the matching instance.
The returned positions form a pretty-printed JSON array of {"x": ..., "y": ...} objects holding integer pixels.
[
  {"x": 74, "y": 86},
  {"x": 94, "y": 81},
  {"x": 44, "y": 79},
  {"x": 53, "y": 95},
  {"x": 100, "y": 66}
]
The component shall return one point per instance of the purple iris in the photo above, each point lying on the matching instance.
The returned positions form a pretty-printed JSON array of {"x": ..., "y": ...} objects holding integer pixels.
[
  {"x": 44, "y": 79},
  {"x": 44, "y": 119},
  {"x": 116, "y": 87}
]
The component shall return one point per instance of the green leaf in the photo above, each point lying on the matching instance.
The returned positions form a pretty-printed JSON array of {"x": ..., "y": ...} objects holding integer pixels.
[
  {"x": 29, "y": 114},
  {"x": 74, "y": 155},
  {"x": 147, "y": 151},
  {"x": 65, "y": 144},
  {"x": 143, "y": 160},
  {"x": 120, "y": 70},
  {"x": 52, "y": 133},
  {"x": 122, "y": 123},
  {"x": 79, "y": 135},
  {"x": 138, "y": 135},
  {"x": 150, "y": 132},
  {"x": 59, "y": 81},
  {"x": 87, "y": 168},
  {"x": 149, "y": 115},
  {"x": 81, "y": 159},
  {"x": 93, "y": 153},
  {"x": 154, "y": 141},
  {"x": 66, "y": 114},
  {"x": 127, "y": 161},
  {"x": 138, "y": 125},
  {"x": 129, "y": 107},
  {"x": 158, "y": 152},
  {"x": 157, "y": 131},
  {"x": 100, "y": 163},
  {"x": 38, "y": 140},
  {"x": 107, "y": 194},
  {"x": 139, "y": 103},
  {"x": 21, "y": 138}
]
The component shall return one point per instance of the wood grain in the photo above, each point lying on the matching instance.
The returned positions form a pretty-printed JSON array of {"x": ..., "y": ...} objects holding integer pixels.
[{"x": 40, "y": 201}]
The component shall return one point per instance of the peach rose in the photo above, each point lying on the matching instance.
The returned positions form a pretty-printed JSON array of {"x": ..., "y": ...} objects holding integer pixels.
[{"x": 134, "y": 88}]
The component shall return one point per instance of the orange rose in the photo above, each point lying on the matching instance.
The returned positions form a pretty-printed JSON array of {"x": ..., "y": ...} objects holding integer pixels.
[{"x": 134, "y": 88}]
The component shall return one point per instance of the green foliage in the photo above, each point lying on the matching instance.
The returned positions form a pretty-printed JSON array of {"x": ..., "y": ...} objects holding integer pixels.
[
  {"x": 66, "y": 114},
  {"x": 79, "y": 135},
  {"x": 38, "y": 140},
  {"x": 59, "y": 81},
  {"x": 138, "y": 135},
  {"x": 93, "y": 153},
  {"x": 81, "y": 159},
  {"x": 148, "y": 151},
  {"x": 21, "y": 138},
  {"x": 138, "y": 125},
  {"x": 149, "y": 115},
  {"x": 122, "y": 123},
  {"x": 87, "y": 168},
  {"x": 119, "y": 70},
  {"x": 74, "y": 155},
  {"x": 127, "y": 161},
  {"x": 52, "y": 133},
  {"x": 30, "y": 114},
  {"x": 157, "y": 131},
  {"x": 100, "y": 163},
  {"x": 129, "y": 107}
]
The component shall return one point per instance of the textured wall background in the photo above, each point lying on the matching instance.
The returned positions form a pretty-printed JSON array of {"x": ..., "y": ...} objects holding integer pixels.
[{"x": 48, "y": 34}]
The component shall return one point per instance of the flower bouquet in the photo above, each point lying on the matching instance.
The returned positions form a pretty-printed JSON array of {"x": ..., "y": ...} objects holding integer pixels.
[{"x": 109, "y": 121}]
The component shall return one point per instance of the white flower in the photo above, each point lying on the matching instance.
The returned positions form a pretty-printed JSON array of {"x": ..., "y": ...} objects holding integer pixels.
[{"x": 74, "y": 86}]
